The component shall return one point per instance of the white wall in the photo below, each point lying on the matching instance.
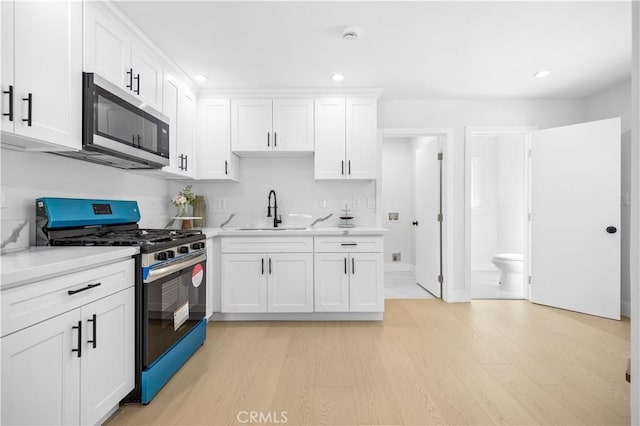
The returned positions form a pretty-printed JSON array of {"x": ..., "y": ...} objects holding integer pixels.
[
  {"x": 615, "y": 101},
  {"x": 26, "y": 176},
  {"x": 397, "y": 196},
  {"x": 456, "y": 114},
  {"x": 511, "y": 194},
  {"x": 296, "y": 190}
]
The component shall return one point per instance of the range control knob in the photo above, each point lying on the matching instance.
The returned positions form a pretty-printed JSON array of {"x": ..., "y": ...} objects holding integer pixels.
[
  {"x": 161, "y": 255},
  {"x": 183, "y": 249},
  {"x": 197, "y": 246},
  {"x": 171, "y": 254}
]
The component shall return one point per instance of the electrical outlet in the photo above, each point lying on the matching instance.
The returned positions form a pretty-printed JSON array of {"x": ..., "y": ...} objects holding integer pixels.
[
  {"x": 323, "y": 204},
  {"x": 222, "y": 204},
  {"x": 371, "y": 203},
  {"x": 153, "y": 204},
  {"x": 354, "y": 203}
]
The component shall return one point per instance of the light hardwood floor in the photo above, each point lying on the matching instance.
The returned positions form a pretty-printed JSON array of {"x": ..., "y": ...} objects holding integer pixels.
[{"x": 428, "y": 362}]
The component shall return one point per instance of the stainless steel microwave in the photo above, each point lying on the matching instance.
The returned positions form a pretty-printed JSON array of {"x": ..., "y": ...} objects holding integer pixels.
[{"x": 120, "y": 130}]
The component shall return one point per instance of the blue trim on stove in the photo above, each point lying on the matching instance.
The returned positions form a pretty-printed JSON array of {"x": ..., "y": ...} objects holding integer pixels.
[
  {"x": 79, "y": 212},
  {"x": 158, "y": 374}
]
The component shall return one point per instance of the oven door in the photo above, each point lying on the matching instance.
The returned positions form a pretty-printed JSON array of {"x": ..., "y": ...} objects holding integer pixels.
[{"x": 174, "y": 301}]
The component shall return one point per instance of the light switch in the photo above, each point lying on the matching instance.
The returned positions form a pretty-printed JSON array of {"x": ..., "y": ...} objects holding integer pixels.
[
  {"x": 371, "y": 203},
  {"x": 323, "y": 204}
]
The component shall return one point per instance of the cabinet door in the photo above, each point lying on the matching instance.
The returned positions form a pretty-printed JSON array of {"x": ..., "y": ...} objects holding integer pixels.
[
  {"x": 6, "y": 20},
  {"x": 331, "y": 282},
  {"x": 48, "y": 65},
  {"x": 147, "y": 75},
  {"x": 251, "y": 125},
  {"x": 41, "y": 374},
  {"x": 107, "y": 46},
  {"x": 293, "y": 125},
  {"x": 362, "y": 143},
  {"x": 213, "y": 142},
  {"x": 244, "y": 283},
  {"x": 170, "y": 108},
  {"x": 187, "y": 118},
  {"x": 329, "y": 157},
  {"x": 366, "y": 289},
  {"x": 107, "y": 372},
  {"x": 290, "y": 282}
]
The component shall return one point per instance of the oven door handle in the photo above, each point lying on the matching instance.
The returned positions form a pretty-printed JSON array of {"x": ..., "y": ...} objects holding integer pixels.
[{"x": 157, "y": 273}]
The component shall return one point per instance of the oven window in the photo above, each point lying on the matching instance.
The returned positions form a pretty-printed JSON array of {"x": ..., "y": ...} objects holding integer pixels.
[{"x": 174, "y": 305}]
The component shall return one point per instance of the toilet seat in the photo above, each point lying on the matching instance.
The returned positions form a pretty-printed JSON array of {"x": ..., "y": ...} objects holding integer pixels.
[{"x": 509, "y": 256}]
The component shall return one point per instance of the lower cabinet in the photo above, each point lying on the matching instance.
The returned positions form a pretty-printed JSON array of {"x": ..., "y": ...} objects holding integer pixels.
[
  {"x": 72, "y": 368},
  {"x": 269, "y": 282},
  {"x": 349, "y": 282}
]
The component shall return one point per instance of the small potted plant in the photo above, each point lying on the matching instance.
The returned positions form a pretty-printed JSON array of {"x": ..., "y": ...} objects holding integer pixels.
[{"x": 184, "y": 199}]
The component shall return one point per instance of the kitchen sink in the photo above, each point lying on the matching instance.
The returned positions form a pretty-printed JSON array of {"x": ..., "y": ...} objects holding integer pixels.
[{"x": 270, "y": 229}]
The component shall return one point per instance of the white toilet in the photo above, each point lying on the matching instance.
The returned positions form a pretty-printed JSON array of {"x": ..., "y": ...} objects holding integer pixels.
[{"x": 511, "y": 266}]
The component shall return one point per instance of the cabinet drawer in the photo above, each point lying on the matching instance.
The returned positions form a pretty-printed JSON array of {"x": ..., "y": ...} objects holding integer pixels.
[
  {"x": 267, "y": 244},
  {"x": 32, "y": 303},
  {"x": 355, "y": 244}
]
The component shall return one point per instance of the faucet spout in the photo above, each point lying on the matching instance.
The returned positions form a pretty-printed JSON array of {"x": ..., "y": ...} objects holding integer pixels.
[{"x": 276, "y": 221}]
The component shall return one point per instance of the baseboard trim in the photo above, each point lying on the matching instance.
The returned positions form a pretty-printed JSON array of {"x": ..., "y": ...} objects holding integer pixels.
[
  {"x": 311, "y": 316},
  {"x": 398, "y": 267}
]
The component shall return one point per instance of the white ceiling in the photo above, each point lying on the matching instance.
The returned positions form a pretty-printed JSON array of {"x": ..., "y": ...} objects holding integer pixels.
[{"x": 409, "y": 49}]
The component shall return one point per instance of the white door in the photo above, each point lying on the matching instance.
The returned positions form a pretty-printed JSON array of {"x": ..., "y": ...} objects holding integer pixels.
[
  {"x": 330, "y": 136},
  {"x": 48, "y": 68},
  {"x": 244, "y": 283},
  {"x": 362, "y": 141},
  {"x": 213, "y": 147},
  {"x": 107, "y": 373},
  {"x": 575, "y": 198},
  {"x": 41, "y": 374},
  {"x": 293, "y": 125},
  {"x": 251, "y": 125},
  {"x": 290, "y": 282},
  {"x": 147, "y": 75},
  {"x": 427, "y": 208},
  {"x": 331, "y": 282},
  {"x": 6, "y": 21},
  {"x": 366, "y": 289}
]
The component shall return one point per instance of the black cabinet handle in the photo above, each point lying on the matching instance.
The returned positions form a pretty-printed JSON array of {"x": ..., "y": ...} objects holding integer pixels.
[
  {"x": 275, "y": 139},
  {"x": 130, "y": 73},
  {"x": 139, "y": 141},
  {"x": 79, "y": 349},
  {"x": 353, "y": 266},
  {"x": 345, "y": 266},
  {"x": 29, "y": 100},
  {"x": 348, "y": 244},
  {"x": 268, "y": 139},
  {"x": 89, "y": 287},
  {"x": 269, "y": 266},
  {"x": 137, "y": 91},
  {"x": 133, "y": 140},
  {"x": 226, "y": 167},
  {"x": 262, "y": 265},
  {"x": 10, "y": 93},
  {"x": 181, "y": 166},
  {"x": 612, "y": 229},
  {"x": 349, "y": 167},
  {"x": 342, "y": 172},
  {"x": 95, "y": 336},
  {"x": 414, "y": 223},
  {"x": 186, "y": 163}
]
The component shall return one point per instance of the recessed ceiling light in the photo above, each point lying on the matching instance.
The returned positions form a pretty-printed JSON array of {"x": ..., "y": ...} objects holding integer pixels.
[
  {"x": 337, "y": 77},
  {"x": 542, "y": 74},
  {"x": 200, "y": 78}
]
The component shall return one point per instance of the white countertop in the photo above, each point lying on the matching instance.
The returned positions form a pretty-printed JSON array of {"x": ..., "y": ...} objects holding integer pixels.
[
  {"x": 229, "y": 232},
  {"x": 36, "y": 263}
]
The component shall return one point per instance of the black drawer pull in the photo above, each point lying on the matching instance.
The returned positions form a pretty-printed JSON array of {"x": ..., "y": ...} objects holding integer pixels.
[
  {"x": 348, "y": 244},
  {"x": 353, "y": 266},
  {"x": 29, "y": 100},
  {"x": 89, "y": 287},
  {"x": 79, "y": 328},
  {"x": 95, "y": 337},
  {"x": 268, "y": 138},
  {"x": 345, "y": 266},
  {"x": 10, "y": 93},
  {"x": 349, "y": 167},
  {"x": 275, "y": 139},
  {"x": 262, "y": 265},
  {"x": 269, "y": 266},
  {"x": 226, "y": 167},
  {"x": 342, "y": 167}
]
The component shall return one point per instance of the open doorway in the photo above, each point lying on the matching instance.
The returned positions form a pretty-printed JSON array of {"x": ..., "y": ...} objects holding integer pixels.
[{"x": 412, "y": 176}]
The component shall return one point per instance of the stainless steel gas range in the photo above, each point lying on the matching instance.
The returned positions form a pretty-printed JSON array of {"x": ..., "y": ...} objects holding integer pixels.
[{"x": 170, "y": 286}]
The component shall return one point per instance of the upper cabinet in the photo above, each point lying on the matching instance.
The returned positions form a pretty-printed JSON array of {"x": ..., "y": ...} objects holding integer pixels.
[
  {"x": 346, "y": 144},
  {"x": 213, "y": 141},
  {"x": 265, "y": 125},
  {"x": 111, "y": 51},
  {"x": 41, "y": 75}
]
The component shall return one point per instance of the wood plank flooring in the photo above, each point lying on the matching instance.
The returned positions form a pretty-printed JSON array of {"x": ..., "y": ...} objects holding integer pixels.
[{"x": 428, "y": 362}]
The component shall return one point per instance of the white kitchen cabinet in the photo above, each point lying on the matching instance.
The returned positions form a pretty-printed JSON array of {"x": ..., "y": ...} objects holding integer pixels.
[
  {"x": 331, "y": 282},
  {"x": 113, "y": 52},
  {"x": 51, "y": 371},
  {"x": 346, "y": 144},
  {"x": 244, "y": 282},
  {"x": 265, "y": 125},
  {"x": 179, "y": 105},
  {"x": 366, "y": 282},
  {"x": 42, "y": 105},
  {"x": 290, "y": 282},
  {"x": 214, "y": 160},
  {"x": 187, "y": 131}
]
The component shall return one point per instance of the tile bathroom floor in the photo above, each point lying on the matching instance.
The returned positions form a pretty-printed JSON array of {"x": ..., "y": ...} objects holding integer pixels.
[{"x": 402, "y": 285}]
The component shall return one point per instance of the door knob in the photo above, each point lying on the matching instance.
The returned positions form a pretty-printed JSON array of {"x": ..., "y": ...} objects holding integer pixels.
[
  {"x": 415, "y": 223},
  {"x": 612, "y": 229}
]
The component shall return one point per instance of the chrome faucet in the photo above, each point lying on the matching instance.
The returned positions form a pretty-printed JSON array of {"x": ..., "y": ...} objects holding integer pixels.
[{"x": 276, "y": 221}]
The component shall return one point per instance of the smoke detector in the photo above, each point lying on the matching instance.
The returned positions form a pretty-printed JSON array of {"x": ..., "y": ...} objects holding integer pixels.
[{"x": 351, "y": 33}]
